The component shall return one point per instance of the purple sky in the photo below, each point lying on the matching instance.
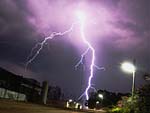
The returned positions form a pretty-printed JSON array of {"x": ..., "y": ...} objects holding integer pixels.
[{"x": 118, "y": 29}]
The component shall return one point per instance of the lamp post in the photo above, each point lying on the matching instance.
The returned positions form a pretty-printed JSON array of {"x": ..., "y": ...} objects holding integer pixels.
[{"x": 129, "y": 68}]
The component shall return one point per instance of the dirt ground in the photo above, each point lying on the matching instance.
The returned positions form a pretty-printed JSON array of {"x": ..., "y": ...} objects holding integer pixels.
[{"x": 8, "y": 106}]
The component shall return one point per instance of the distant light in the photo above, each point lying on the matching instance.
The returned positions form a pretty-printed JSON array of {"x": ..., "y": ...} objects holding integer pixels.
[
  {"x": 67, "y": 105},
  {"x": 80, "y": 107},
  {"x": 100, "y": 96},
  {"x": 70, "y": 100},
  {"x": 97, "y": 102},
  {"x": 86, "y": 107},
  {"x": 76, "y": 106},
  {"x": 128, "y": 67}
]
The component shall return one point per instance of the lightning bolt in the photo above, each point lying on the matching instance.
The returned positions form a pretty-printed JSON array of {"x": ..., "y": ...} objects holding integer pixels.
[
  {"x": 91, "y": 48},
  {"x": 39, "y": 46}
]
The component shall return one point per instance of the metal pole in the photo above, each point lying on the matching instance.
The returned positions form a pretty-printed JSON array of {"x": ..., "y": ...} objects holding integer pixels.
[{"x": 133, "y": 84}]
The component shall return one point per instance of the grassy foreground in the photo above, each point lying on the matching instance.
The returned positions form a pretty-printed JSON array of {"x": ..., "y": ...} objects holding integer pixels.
[{"x": 10, "y": 106}]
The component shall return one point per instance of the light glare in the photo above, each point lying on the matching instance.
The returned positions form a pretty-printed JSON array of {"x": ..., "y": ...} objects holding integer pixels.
[
  {"x": 128, "y": 67},
  {"x": 70, "y": 100},
  {"x": 100, "y": 96},
  {"x": 81, "y": 16},
  {"x": 97, "y": 102}
]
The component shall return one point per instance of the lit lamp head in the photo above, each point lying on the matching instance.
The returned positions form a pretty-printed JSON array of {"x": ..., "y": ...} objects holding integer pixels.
[{"x": 128, "y": 67}]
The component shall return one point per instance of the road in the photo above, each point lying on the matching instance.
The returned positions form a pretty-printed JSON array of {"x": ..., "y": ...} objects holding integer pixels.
[{"x": 7, "y": 106}]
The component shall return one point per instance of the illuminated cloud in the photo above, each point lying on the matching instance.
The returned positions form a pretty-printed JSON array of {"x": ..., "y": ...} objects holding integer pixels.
[{"x": 117, "y": 28}]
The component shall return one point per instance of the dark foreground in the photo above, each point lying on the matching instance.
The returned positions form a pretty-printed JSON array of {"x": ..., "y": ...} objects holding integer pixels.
[{"x": 7, "y": 106}]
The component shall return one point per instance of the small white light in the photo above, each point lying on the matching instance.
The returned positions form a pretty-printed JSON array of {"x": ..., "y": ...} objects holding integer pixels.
[
  {"x": 97, "y": 102},
  {"x": 100, "y": 96},
  {"x": 76, "y": 106},
  {"x": 67, "y": 105},
  {"x": 80, "y": 107},
  {"x": 70, "y": 100}
]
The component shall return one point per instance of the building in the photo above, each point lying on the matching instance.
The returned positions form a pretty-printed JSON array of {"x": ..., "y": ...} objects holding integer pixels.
[{"x": 13, "y": 86}]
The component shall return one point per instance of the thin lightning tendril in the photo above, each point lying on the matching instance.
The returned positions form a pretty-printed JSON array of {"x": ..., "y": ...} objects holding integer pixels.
[
  {"x": 39, "y": 46},
  {"x": 81, "y": 60}
]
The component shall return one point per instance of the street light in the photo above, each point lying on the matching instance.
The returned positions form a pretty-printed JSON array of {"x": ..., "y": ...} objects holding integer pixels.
[
  {"x": 70, "y": 100},
  {"x": 100, "y": 96},
  {"x": 97, "y": 102},
  {"x": 129, "y": 68}
]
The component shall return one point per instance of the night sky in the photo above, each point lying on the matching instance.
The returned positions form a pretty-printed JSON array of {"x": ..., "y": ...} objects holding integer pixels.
[{"x": 119, "y": 30}]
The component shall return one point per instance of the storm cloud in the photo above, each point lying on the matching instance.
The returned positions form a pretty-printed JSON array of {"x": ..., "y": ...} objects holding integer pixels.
[{"x": 118, "y": 29}]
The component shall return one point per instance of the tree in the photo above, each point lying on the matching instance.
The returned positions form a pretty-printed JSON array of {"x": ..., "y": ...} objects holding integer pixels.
[
  {"x": 54, "y": 93},
  {"x": 140, "y": 101}
]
